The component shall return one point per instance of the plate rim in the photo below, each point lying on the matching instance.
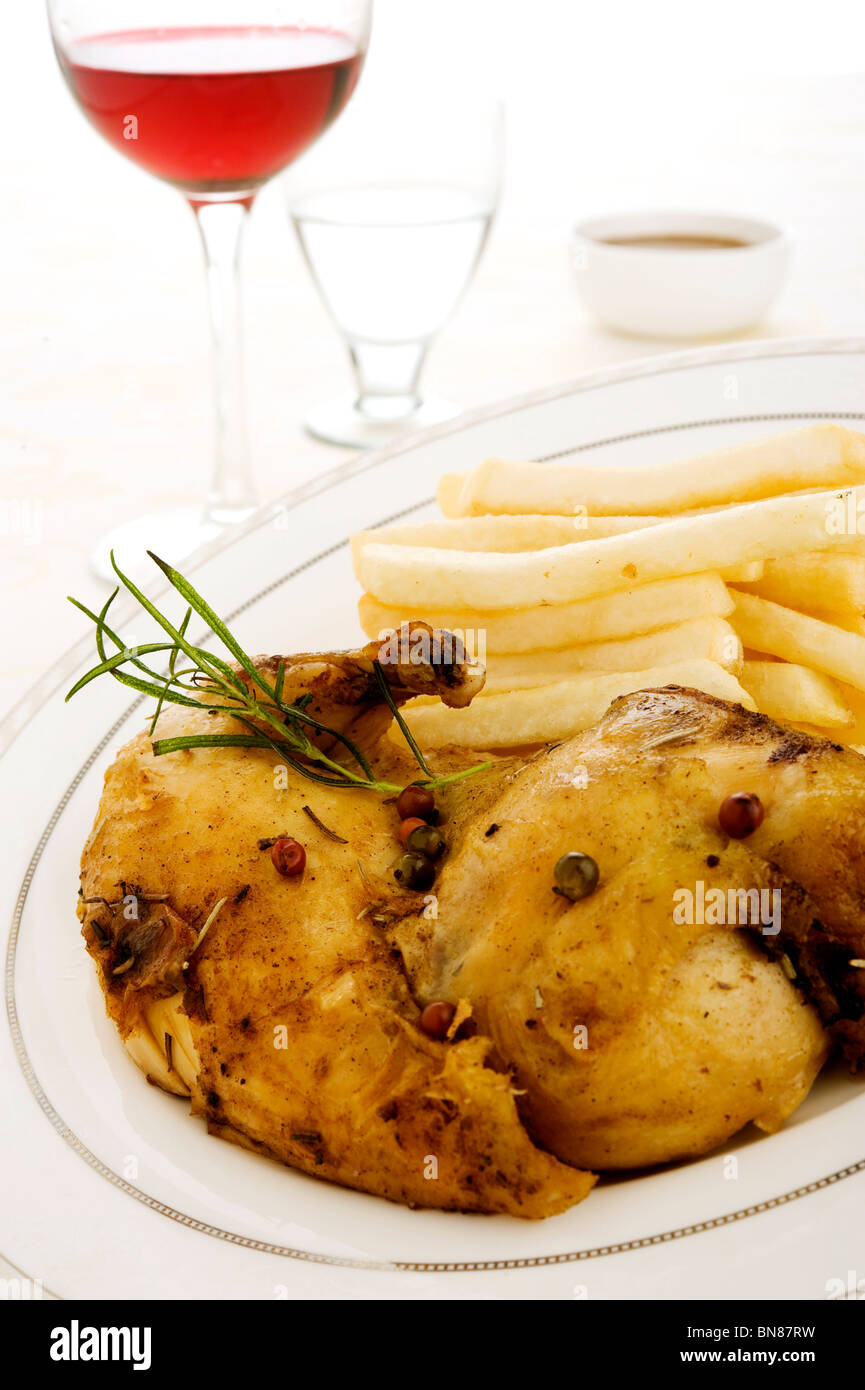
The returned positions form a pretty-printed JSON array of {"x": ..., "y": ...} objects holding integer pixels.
[
  {"x": 12, "y": 726},
  {"x": 15, "y": 718}
]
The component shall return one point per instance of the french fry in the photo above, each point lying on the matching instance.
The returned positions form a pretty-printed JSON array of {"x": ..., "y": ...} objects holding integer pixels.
[
  {"x": 838, "y": 737},
  {"x": 709, "y": 638},
  {"x": 423, "y": 577},
  {"x": 638, "y": 610},
  {"x": 821, "y": 456},
  {"x": 815, "y": 581},
  {"x": 849, "y": 621},
  {"x": 506, "y": 535},
  {"x": 797, "y": 637},
  {"x": 855, "y": 701},
  {"x": 845, "y": 737},
  {"x": 784, "y": 690},
  {"x": 543, "y": 714},
  {"x": 748, "y": 573},
  {"x": 448, "y": 493},
  {"x": 509, "y": 535},
  {"x": 503, "y": 534}
]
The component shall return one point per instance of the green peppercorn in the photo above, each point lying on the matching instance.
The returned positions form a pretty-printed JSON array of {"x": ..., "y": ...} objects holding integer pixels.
[
  {"x": 425, "y": 839},
  {"x": 576, "y": 876},
  {"x": 414, "y": 871}
]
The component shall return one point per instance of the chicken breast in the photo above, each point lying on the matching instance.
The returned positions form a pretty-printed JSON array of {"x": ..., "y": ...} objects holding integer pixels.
[
  {"x": 639, "y": 1032},
  {"x": 290, "y": 1023}
]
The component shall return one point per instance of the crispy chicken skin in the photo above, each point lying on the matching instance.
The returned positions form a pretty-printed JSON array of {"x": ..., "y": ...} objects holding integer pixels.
[
  {"x": 691, "y": 1030},
  {"x": 601, "y": 1033},
  {"x": 295, "y": 1029}
]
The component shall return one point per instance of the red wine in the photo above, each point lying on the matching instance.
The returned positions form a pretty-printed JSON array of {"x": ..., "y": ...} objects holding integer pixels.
[{"x": 214, "y": 110}]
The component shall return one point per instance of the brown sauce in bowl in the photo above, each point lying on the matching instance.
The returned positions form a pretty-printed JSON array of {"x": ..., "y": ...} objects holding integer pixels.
[{"x": 673, "y": 242}]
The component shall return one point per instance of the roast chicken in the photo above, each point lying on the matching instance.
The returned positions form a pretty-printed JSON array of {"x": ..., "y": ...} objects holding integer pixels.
[{"x": 619, "y": 1030}]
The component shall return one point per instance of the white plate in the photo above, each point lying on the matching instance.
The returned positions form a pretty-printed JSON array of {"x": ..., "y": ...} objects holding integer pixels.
[{"x": 109, "y": 1189}]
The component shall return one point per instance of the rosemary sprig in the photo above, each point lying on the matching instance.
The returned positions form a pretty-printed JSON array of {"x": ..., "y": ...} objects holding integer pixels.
[
  {"x": 403, "y": 727},
  {"x": 207, "y": 682}
]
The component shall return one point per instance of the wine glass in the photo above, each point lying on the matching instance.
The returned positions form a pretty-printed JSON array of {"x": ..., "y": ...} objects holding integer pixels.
[
  {"x": 214, "y": 97},
  {"x": 392, "y": 213}
]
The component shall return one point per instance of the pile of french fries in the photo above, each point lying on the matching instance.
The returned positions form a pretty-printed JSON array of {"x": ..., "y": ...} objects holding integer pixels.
[{"x": 740, "y": 573}]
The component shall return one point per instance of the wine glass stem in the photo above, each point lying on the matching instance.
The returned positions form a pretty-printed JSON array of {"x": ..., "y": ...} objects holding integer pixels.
[
  {"x": 231, "y": 495},
  {"x": 387, "y": 377}
]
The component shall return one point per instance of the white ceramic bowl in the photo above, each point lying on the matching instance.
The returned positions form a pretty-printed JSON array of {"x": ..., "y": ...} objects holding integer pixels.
[{"x": 670, "y": 292}]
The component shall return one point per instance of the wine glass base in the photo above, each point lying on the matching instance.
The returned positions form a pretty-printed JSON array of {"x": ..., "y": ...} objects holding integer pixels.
[
  {"x": 340, "y": 422},
  {"x": 171, "y": 535}
]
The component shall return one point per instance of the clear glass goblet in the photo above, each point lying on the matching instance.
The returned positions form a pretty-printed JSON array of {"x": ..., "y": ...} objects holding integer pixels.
[{"x": 392, "y": 216}]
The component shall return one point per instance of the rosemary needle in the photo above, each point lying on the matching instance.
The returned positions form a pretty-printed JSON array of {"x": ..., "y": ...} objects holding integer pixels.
[{"x": 202, "y": 680}]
